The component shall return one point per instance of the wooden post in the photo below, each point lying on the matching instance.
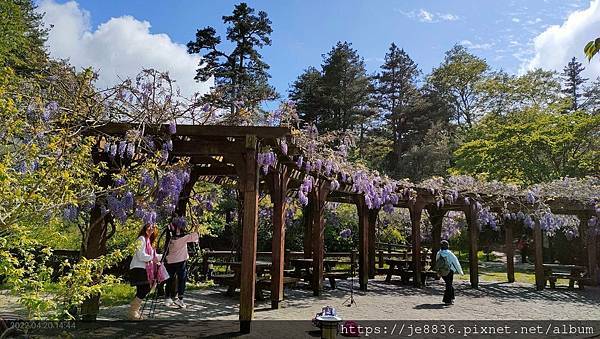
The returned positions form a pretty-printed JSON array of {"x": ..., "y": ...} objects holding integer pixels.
[
  {"x": 318, "y": 195},
  {"x": 363, "y": 242},
  {"x": 592, "y": 248},
  {"x": 371, "y": 239},
  {"x": 278, "y": 181},
  {"x": 510, "y": 251},
  {"x": 380, "y": 259},
  {"x": 249, "y": 180},
  {"x": 436, "y": 217},
  {"x": 540, "y": 281},
  {"x": 416, "y": 210},
  {"x": 308, "y": 221},
  {"x": 471, "y": 213}
]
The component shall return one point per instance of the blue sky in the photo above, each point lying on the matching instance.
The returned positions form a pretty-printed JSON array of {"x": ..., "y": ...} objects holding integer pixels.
[{"x": 503, "y": 32}]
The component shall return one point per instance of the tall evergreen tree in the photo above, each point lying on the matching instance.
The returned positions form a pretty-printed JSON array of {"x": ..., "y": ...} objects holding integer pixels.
[
  {"x": 346, "y": 87},
  {"x": 241, "y": 76},
  {"x": 397, "y": 95},
  {"x": 573, "y": 82},
  {"x": 22, "y": 37},
  {"x": 307, "y": 93},
  {"x": 338, "y": 96}
]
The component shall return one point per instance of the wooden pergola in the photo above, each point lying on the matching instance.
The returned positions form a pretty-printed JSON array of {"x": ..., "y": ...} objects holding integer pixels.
[{"x": 228, "y": 154}]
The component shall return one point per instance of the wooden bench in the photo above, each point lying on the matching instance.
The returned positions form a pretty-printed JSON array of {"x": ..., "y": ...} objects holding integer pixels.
[
  {"x": 265, "y": 284},
  {"x": 223, "y": 279},
  {"x": 333, "y": 275},
  {"x": 579, "y": 279}
]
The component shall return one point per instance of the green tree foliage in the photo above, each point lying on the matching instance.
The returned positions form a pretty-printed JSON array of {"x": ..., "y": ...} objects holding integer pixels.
[
  {"x": 22, "y": 37},
  {"x": 504, "y": 93},
  {"x": 531, "y": 146},
  {"x": 573, "y": 82},
  {"x": 241, "y": 76},
  {"x": 337, "y": 98},
  {"x": 457, "y": 80}
]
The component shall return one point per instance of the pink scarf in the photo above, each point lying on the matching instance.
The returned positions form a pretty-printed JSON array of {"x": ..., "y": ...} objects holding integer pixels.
[{"x": 149, "y": 249}]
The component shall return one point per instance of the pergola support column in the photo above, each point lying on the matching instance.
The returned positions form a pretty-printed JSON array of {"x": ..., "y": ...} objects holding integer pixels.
[
  {"x": 249, "y": 182},
  {"x": 592, "y": 239},
  {"x": 373, "y": 213},
  {"x": 363, "y": 242},
  {"x": 416, "y": 210},
  {"x": 308, "y": 221},
  {"x": 278, "y": 182},
  {"x": 589, "y": 239},
  {"x": 510, "y": 250},
  {"x": 540, "y": 281},
  {"x": 318, "y": 196},
  {"x": 436, "y": 217},
  {"x": 472, "y": 213}
]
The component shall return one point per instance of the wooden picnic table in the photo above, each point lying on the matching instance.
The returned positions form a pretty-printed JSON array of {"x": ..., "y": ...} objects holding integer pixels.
[
  {"x": 404, "y": 268},
  {"x": 303, "y": 266},
  {"x": 574, "y": 273},
  {"x": 262, "y": 267}
]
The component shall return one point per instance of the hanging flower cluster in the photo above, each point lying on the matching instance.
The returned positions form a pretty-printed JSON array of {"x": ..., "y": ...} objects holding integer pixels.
[
  {"x": 305, "y": 188},
  {"x": 346, "y": 234},
  {"x": 266, "y": 161}
]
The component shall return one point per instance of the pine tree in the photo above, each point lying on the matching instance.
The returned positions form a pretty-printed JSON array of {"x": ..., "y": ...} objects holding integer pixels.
[
  {"x": 573, "y": 82},
  {"x": 307, "y": 93},
  {"x": 397, "y": 95},
  {"x": 337, "y": 97},
  {"x": 22, "y": 37},
  {"x": 241, "y": 77}
]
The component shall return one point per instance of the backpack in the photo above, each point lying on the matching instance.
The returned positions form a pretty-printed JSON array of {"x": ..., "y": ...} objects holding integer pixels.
[{"x": 442, "y": 266}]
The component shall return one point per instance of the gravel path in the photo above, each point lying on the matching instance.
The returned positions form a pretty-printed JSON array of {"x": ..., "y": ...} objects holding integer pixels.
[{"x": 384, "y": 301}]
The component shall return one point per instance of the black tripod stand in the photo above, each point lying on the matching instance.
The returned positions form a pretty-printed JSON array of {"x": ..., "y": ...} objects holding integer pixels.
[{"x": 350, "y": 299}]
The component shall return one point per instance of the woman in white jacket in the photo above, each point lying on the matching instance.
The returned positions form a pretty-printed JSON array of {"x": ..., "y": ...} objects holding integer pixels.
[{"x": 138, "y": 276}]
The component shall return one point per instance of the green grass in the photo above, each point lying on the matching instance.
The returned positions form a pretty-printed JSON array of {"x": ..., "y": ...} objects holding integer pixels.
[
  {"x": 464, "y": 256},
  {"x": 118, "y": 294}
]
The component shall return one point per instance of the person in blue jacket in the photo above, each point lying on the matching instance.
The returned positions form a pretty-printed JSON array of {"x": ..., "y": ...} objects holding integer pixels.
[{"x": 452, "y": 267}]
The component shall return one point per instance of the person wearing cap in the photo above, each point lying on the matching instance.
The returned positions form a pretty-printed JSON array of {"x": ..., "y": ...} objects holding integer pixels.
[
  {"x": 177, "y": 256},
  {"x": 452, "y": 268}
]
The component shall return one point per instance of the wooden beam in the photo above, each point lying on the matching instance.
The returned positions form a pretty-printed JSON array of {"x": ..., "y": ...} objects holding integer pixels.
[
  {"x": 416, "y": 210},
  {"x": 220, "y": 170},
  {"x": 114, "y": 128},
  {"x": 510, "y": 250},
  {"x": 540, "y": 281},
  {"x": 436, "y": 217},
  {"x": 373, "y": 213},
  {"x": 471, "y": 213},
  {"x": 249, "y": 180},
  {"x": 363, "y": 242},
  {"x": 319, "y": 197},
  {"x": 207, "y": 148},
  {"x": 277, "y": 181}
]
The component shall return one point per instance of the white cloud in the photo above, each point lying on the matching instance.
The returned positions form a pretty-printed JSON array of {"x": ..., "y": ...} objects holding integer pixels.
[
  {"x": 469, "y": 44},
  {"x": 555, "y": 47},
  {"x": 118, "y": 48},
  {"x": 448, "y": 17},
  {"x": 516, "y": 20},
  {"x": 424, "y": 15}
]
